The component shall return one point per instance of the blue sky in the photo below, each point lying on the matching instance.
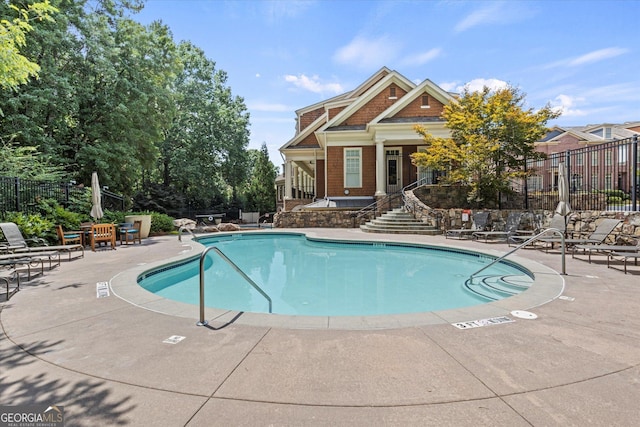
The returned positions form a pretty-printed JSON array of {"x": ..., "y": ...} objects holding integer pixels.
[{"x": 581, "y": 56}]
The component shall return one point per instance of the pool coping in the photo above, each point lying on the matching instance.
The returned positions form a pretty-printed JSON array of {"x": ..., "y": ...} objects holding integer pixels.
[{"x": 548, "y": 286}]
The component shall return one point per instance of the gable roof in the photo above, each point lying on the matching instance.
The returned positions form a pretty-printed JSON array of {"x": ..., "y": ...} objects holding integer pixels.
[
  {"x": 427, "y": 86},
  {"x": 306, "y": 132},
  {"x": 358, "y": 103}
]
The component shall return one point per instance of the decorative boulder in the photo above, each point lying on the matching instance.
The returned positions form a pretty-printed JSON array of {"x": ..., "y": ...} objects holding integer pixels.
[
  {"x": 227, "y": 226},
  {"x": 187, "y": 223}
]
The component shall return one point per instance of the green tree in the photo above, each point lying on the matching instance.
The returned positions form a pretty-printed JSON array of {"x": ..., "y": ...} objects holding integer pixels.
[
  {"x": 261, "y": 192},
  {"x": 492, "y": 135},
  {"x": 203, "y": 152},
  {"x": 15, "y": 68}
]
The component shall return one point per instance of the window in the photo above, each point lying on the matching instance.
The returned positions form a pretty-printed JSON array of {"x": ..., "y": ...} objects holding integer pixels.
[
  {"x": 608, "y": 182},
  {"x": 622, "y": 154},
  {"x": 594, "y": 158},
  {"x": 607, "y": 158},
  {"x": 425, "y": 101},
  {"x": 579, "y": 159},
  {"x": 607, "y": 133},
  {"x": 352, "y": 167},
  {"x": 392, "y": 92},
  {"x": 555, "y": 159},
  {"x": 594, "y": 182},
  {"x": 534, "y": 183}
]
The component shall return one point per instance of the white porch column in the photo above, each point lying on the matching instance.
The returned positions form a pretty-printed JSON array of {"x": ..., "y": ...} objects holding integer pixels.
[
  {"x": 296, "y": 182},
  {"x": 287, "y": 180},
  {"x": 380, "y": 167}
]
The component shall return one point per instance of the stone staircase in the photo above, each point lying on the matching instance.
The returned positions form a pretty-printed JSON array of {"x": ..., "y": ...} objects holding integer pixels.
[{"x": 398, "y": 221}]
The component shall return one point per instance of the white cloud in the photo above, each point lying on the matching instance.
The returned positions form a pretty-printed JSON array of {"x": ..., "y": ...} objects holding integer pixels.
[
  {"x": 367, "y": 53},
  {"x": 422, "y": 58},
  {"x": 501, "y": 12},
  {"x": 598, "y": 55},
  {"x": 450, "y": 86},
  {"x": 313, "y": 84},
  {"x": 588, "y": 58},
  {"x": 567, "y": 105},
  {"x": 476, "y": 85}
]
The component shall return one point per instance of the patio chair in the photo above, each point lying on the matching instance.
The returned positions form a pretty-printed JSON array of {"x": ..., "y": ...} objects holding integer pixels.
[
  {"x": 480, "y": 223},
  {"x": 557, "y": 222},
  {"x": 70, "y": 237},
  {"x": 598, "y": 236},
  {"x": 603, "y": 249},
  {"x": 624, "y": 256},
  {"x": 103, "y": 233},
  {"x": 512, "y": 224},
  {"x": 18, "y": 244},
  {"x": 130, "y": 231}
]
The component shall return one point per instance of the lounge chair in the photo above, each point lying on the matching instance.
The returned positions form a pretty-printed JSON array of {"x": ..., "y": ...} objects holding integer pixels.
[
  {"x": 480, "y": 223},
  {"x": 557, "y": 222},
  {"x": 6, "y": 276},
  {"x": 512, "y": 224},
  {"x": 103, "y": 233},
  {"x": 598, "y": 236},
  {"x": 603, "y": 249},
  {"x": 624, "y": 256},
  {"x": 24, "y": 261},
  {"x": 18, "y": 244}
]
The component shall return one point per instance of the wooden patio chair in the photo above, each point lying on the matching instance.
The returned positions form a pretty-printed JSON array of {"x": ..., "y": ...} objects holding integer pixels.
[{"x": 103, "y": 233}]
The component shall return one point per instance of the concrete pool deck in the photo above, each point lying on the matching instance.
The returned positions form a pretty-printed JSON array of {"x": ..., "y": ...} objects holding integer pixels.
[{"x": 105, "y": 359}]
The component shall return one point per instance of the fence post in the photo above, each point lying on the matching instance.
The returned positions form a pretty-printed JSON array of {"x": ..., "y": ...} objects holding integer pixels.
[
  {"x": 17, "y": 191},
  {"x": 635, "y": 185}
]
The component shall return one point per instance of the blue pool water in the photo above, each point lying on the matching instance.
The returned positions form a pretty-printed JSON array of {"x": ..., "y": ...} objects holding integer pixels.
[{"x": 325, "y": 278}]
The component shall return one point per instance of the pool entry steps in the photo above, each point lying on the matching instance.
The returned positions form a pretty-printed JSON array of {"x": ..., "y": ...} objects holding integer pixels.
[{"x": 399, "y": 221}]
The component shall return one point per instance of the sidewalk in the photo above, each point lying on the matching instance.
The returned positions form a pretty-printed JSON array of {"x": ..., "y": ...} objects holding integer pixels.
[{"x": 105, "y": 361}]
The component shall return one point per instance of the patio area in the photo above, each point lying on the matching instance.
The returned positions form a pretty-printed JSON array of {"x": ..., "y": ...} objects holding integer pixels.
[{"x": 111, "y": 362}]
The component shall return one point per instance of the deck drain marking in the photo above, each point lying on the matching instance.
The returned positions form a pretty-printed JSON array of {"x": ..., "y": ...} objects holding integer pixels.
[
  {"x": 566, "y": 298},
  {"x": 102, "y": 289},
  {"x": 173, "y": 339},
  {"x": 524, "y": 314},
  {"x": 483, "y": 322}
]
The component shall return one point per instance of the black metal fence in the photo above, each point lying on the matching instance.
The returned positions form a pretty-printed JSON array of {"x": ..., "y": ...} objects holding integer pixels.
[
  {"x": 601, "y": 177},
  {"x": 23, "y": 195}
]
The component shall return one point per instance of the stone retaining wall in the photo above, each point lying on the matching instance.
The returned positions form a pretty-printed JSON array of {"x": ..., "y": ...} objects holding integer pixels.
[{"x": 319, "y": 219}]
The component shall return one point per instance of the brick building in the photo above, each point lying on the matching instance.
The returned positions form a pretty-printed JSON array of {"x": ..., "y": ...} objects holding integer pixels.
[{"x": 353, "y": 148}]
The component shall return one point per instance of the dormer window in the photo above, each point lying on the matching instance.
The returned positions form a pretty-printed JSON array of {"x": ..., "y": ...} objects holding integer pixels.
[
  {"x": 425, "y": 101},
  {"x": 607, "y": 133},
  {"x": 392, "y": 92}
]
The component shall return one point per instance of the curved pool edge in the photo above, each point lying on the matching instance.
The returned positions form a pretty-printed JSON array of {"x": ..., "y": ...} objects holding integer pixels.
[{"x": 548, "y": 285}]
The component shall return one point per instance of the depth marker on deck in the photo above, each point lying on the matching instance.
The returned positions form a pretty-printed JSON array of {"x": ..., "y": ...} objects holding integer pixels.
[
  {"x": 102, "y": 289},
  {"x": 173, "y": 339},
  {"x": 483, "y": 322}
]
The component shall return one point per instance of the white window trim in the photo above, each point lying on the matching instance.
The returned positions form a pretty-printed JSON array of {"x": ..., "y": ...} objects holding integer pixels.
[{"x": 344, "y": 154}]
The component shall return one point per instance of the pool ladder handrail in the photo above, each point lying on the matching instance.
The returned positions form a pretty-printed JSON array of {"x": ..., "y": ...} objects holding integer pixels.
[
  {"x": 522, "y": 245},
  {"x": 202, "y": 321}
]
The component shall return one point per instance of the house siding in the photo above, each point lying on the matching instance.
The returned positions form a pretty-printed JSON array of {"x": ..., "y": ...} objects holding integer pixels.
[
  {"x": 309, "y": 141},
  {"x": 307, "y": 118},
  {"x": 414, "y": 109},
  {"x": 335, "y": 111},
  {"x": 335, "y": 179},
  {"x": 320, "y": 194}
]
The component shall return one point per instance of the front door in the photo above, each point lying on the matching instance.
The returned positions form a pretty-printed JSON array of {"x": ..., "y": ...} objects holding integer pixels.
[{"x": 394, "y": 170}]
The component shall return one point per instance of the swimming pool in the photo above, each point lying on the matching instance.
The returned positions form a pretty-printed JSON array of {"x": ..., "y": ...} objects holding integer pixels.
[{"x": 319, "y": 277}]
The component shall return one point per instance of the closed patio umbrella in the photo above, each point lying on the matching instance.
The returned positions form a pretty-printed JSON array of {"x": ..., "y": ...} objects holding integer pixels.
[
  {"x": 96, "y": 197},
  {"x": 563, "y": 208}
]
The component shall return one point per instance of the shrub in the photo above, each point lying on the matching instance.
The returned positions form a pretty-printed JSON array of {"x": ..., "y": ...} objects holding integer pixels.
[
  {"x": 161, "y": 223},
  {"x": 33, "y": 226}
]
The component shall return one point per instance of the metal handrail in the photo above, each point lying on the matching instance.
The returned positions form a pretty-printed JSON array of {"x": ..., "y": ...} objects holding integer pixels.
[
  {"x": 202, "y": 321},
  {"x": 530, "y": 240}
]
